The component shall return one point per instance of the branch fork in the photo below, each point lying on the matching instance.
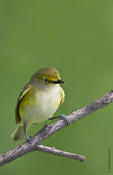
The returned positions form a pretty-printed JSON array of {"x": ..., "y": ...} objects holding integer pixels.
[{"x": 35, "y": 142}]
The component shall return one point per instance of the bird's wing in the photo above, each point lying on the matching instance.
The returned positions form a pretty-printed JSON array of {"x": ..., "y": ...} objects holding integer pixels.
[
  {"x": 62, "y": 96},
  {"x": 25, "y": 91}
]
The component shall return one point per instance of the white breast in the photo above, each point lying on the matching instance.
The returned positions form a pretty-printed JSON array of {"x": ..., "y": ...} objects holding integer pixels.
[{"x": 48, "y": 101}]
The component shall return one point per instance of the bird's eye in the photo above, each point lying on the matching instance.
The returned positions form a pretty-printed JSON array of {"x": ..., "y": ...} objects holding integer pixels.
[{"x": 45, "y": 79}]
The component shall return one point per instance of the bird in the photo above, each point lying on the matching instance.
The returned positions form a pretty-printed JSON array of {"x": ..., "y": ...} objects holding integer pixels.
[{"x": 38, "y": 101}]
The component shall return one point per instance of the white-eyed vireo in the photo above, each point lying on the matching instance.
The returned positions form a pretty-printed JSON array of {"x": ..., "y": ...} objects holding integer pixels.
[{"x": 38, "y": 101}]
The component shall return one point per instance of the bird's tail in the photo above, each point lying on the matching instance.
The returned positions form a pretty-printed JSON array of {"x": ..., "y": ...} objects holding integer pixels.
[{"x": 18, "y": 133}]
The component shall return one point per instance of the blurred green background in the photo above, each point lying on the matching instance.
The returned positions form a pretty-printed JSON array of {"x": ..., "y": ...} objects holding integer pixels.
[{"x": 76, "y": 37}]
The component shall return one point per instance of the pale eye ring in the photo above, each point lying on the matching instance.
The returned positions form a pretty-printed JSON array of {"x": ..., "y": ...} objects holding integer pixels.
[{"x": 45, "y": 79}]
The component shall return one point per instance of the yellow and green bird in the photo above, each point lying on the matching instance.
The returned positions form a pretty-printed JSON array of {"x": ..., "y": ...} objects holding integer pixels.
[{"x": 38, "y": 101}]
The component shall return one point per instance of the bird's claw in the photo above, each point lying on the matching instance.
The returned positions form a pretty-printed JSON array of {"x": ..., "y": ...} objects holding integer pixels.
[
  {"x": 65, "y": 118},
  {"x": 28, "y": 138}
]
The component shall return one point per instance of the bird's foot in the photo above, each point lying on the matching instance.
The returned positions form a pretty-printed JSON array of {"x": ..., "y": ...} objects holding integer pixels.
[
  {"x": 27, "y": 138},
  {"x": 65, "y": 118}
]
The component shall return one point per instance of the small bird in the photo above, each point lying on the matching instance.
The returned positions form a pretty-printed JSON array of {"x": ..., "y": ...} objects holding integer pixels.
[{"x": 38, "y": 101}]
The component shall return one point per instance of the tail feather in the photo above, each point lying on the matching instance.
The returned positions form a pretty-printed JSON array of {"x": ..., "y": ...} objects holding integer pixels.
[{"x": 18, "y": 134}]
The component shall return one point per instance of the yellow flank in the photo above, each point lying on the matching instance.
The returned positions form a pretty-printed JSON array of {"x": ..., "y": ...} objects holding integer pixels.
[
  {"x": 28, "y": 99},
  {"x": 62, "y": 96},
  {"x": 38, "y": 101}
]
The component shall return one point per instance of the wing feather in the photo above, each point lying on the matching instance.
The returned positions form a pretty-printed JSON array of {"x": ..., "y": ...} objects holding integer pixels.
[
  {"x": 25, "y": 91},
  {"x": 62, "y": 96}
]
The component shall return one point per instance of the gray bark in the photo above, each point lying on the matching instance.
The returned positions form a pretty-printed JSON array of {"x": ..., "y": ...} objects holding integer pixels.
[{"x": 35, "y": 142}]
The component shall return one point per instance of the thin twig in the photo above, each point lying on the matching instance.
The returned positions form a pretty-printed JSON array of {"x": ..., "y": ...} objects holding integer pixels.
[
  {"x": 58, "y": 152},
  {"x": 35, "y": 142}
]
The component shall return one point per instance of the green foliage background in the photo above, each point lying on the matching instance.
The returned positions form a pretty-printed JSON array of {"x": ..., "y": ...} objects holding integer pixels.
[{"x": 76, "y": 37}]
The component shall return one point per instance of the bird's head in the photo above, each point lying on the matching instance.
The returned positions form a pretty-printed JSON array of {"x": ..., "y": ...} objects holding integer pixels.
[{"x": 48, "y": 75}]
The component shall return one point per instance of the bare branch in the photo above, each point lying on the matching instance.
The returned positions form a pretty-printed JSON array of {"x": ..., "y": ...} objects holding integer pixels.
[
  {"x": 35, "y": 142},
  {"x": 15, "y": 153},
  {"x": 60, "y": 153}
]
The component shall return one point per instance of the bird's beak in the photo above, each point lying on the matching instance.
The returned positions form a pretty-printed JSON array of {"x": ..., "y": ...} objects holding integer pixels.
[{"x": 58, "y": 81}]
